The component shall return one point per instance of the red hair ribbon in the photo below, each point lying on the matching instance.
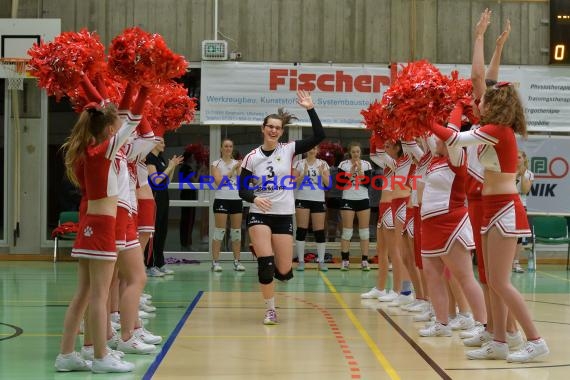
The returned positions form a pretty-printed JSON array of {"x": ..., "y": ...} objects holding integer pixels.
[{"x": 502, "y": 84}]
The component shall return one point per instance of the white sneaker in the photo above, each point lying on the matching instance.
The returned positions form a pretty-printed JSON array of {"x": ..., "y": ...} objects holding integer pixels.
[
  {"x": 146, "y": 336},
  {"x": 364, "y": 266},
  {"x": 71, "y": 362},
  {"x": 388, "y": 297},
  {"x": 146, "y": 308},
  {"x": 462, "y": 322},
  {"x": 147, "y": 296},
  {"x": 165, "y": 270},
  {"x": 135, "y": 346},
  {"x": 478, "y": 340},
  {"x": 113, "y": 342},
  {"x": 145, "y": 315},
  {"x": 88, "y": 352},
  {"x": 145, "y": 300},
  {"x": 475, "y": 330},
  {"x": 115, "y": 326},
  {"x": 515, "y": 340},
  {"x": 489, "y": 351},
  {"x": 373, "y": 293},
  {"x": 437, "y": 329},
  {"x": 270, "y": 317},
  {"x": 418, "y": 306},
  {"x": 216, "y": 267},
  {"x": 423, "y": 317},
  {"x": 154, "y": 272},
  {"x": 111, "y": 363},
  {"x": 531, "y": 350},
  {"x": 402, "y": 300},
  {"x": 238, "y": 267},
  {"x": 345, "y": 265},
  {"x": 116, "y": 318}
]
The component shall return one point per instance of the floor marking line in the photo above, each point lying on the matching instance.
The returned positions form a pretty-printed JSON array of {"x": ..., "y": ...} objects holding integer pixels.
[
  {"x": 440, "y": 371},
  {"x": 156, "y": 362},
  {"x": 369, "y": 341}
]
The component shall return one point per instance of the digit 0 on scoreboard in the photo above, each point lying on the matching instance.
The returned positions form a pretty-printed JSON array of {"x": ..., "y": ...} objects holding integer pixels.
[{"x": 559, "y": 32}]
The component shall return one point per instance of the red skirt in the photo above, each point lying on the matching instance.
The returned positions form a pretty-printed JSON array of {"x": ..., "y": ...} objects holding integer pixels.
[
  {"x": 121, "y": 228},
  {"x": 146, "y": 215},
  {"x": 418, "y": 236},
  {"x": 95, "y": 238},
  {"x": 440, "y": 232},
  {"x": 399, "y": 209},
  {"x": 475, "y": 208},
  {"x": 409, "y": 223},
  {"x": 132, "y": 235},
  {"x": 506, "y": 212},
  {"x": 385, "y": 216}
]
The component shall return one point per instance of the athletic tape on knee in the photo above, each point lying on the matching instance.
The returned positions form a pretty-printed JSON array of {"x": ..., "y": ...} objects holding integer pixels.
[
  {"x": 320, "y": 236},
  {"x": 346, "y": 234},
  {"x": 219, "y": 234},
  {"x": 265, "y": 269},
  {"x": 235, "y": 234},
  {"x": 301, "y": 234},
  {"x": 364, "y": 233}
]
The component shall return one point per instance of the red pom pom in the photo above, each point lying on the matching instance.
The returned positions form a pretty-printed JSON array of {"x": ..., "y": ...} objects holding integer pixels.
[
  {"x": 169, "y": 106},
  {"x": 419, "y": 95},
  {"x": 115, "y": 89},
  {"x": 373, "y": 120},
  {"x": 199, "y": 151},
  {"x": 330, "y": 152},
  {"x": 143, "y": 58},
  {"x": 59, "y": 65}
]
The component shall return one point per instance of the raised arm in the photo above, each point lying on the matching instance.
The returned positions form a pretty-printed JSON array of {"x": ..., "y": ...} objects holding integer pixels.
[
  {"x": 411, "y": 148},
  {"x": 308, "y": 143},
  {"x": 460, "y": 139},
  {"x": 493, "y": 69},
  {"x": 478, "y": 64}
]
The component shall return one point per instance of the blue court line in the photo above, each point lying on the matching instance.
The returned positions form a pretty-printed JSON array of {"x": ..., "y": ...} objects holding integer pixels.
[{"x": 154, "y": 366}]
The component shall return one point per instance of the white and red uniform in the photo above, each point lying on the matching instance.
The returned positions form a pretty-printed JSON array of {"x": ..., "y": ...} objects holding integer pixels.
[
  {"x": 380, "y": 158},
  {"x": 443, "y": 206},
  {"x": 400, "y": 169},
  {"x": 497, "y": 152},
  {"x": 421, "y": 171},
  {"x": 95, "y": 239}
]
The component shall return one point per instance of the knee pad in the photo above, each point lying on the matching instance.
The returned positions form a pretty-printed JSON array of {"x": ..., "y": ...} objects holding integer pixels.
[
  {"x": 284, "y": 277},
  {"x": 301, "y": 234},
  {"x": 364, "y": 233},
  {"x": 235, "y": 234},
  {"x": 219, "y": 234},
  {"x": 320, "y": 236},
  {"x": 346, "y": 234},
  {"x": 265, "y": 269}
]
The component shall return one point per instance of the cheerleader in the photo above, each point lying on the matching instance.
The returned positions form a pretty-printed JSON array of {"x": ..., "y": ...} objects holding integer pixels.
[
  {"x": 504, "y": 217},
  {"x": 94, "y": 144},
  {"x": 447, "y": 237}
]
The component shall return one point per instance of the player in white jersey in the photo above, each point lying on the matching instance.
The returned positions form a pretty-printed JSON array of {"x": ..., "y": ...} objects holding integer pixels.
[
  {"x": 227, "y": 202},
  {"x": 266, "y": 182},
  {"x": 356, "y": 174},
  {"x": 524, "y": 181},
  {"x": 312, "y": 176}
]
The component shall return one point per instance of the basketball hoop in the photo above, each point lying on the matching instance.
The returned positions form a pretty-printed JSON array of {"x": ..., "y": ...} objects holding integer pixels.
[{"x": 14, "y": 71}]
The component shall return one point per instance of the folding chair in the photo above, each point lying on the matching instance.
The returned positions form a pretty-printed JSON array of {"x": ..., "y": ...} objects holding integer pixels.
[
  {"x": 65, "y": 217},
  {"x": 551, "y": 230}
]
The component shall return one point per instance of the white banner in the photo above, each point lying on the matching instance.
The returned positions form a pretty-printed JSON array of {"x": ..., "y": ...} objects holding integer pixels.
[
  {"x": 244, "y": 93},
  {"x": 544, "y": 91},
  {"x": 550, "y": 192}
]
